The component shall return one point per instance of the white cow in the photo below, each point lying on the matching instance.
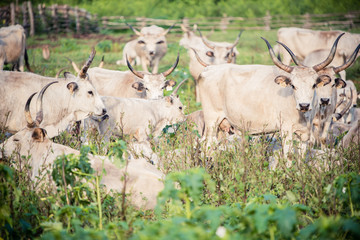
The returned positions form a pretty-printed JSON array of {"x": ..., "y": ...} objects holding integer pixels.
[
  {"x": 247, "y": 97},
  {"x": 148, "y": 49},
  {"x": 13, "y": 47},
  {"x": 71, "y": 99},
  {"x": 143, "y": 180}
]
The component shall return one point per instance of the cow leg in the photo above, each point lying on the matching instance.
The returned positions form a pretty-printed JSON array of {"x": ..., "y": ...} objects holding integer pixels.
[
  {"x": 197, "y": 92},
  {"x": 1, "y": 63},
  {"x": 144, "y": 64},
  {"x": 156, "y": 65},
  {"x": 21, "y": 63}
]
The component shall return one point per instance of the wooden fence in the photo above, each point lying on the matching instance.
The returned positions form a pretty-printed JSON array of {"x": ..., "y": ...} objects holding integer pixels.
[{"x": 63, "y": 18}]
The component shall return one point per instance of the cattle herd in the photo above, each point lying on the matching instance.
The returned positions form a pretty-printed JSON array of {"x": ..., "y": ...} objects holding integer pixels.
[{"x": 310, "y": 101}]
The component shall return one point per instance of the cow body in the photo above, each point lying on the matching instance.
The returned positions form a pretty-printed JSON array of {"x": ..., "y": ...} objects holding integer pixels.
[
  {"x": 12, "y": 46},
  {"x": 63, "y": 105}
]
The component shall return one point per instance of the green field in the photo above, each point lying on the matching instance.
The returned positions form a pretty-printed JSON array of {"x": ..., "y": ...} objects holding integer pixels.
[{"x": 231, "y": 196}]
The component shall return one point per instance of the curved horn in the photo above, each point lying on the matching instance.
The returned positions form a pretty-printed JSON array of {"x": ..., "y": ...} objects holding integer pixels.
[
  {"x": 29, "y": 120},
  {"x": 205, "y": 42},
  {"x": 39, "y": 104},
  {"x": 167, "y": 31},
  {"x": 76, "y": 68},
  {"x": 294, "y": 58},
  {"x": 136, "y": 73},
  {"x": 236, "y": 41},
  {"x": 101, "y": 65},
  {"x": 276, "y": 61},
  {"x": 199, "y": 59},
  {"x": 133, "y": 29},
  {"x": 348, "y": 106},
  {"x": 349, "y": 61},
  {"x": 177, "y": 87},
  {"x": 59, "y": 72},
  {"x": 331, "y": 56},
  {"x": 167, "y": 72},
  {"x": 82, "y": 73},
  {"x": 340, "y": 102}
]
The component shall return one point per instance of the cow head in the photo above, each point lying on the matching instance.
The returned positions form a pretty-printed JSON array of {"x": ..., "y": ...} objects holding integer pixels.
[
  {"x": 176, "y": 108},
  {"x": 151, "y": 40},
  {"x": 305, "y": 79},
  {"x": 84, "y": 99},
  {"x": 153, "y": 84},
  {"x": 220, "y": 54}
]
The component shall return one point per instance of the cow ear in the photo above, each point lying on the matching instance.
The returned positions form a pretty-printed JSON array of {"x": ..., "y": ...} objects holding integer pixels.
[
  {"x": 283, "y": 81},
  {"x": 210, "y": 53},
  {"x": 339, "y": 83},
  {"x": 68, "y": 75},
  {"x": 169, "y": 99},
  {"x": 170, "y": 83},
  {"x": 322, "y": 80},
  {"x": 39, "y": 134},
  {"x": 73, "y": 87},
  {"x": 139, "y": 86}
]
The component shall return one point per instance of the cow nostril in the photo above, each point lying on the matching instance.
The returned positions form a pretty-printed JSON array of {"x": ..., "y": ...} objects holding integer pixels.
[
  {"x": 325, "y": 101},
  {"x": 104, "y": 111},
  {"x": 151, "y": 53}
]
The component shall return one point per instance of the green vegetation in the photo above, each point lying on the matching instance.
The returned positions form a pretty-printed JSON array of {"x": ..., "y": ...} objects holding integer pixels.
[{"x": 233, "y": 195}]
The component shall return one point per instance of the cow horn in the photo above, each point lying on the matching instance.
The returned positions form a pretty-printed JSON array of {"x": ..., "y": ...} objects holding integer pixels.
[
  {"x": 59, "y": 72},
  {"x": 177, "y": 87},
  {"x": 340, "y": 102},
  {"x": 294, "y": 58},
  {"x": 331, "y": 56},
  {"x": 39, "y": 104},
  {"x": 134, "y": 30},
  {"x": 29, "y": 120},
  {"x": 199, "y": 59},
  {"x": 101, "y": 65},
  {"x": 236, "y": 41},
  {"x": 276, "y": 61},
  {"x": 86, "y": 66},
  {"x": 348, "y": 106},
  {"x": 167, "y": 31},
  {"x": 138, "y": 74},
  {"x": 206, "y": 42},
  {"x": 167, "y": 72},
  {"x": 348, "y": 62},
  {"x": 76, "y": 68}
]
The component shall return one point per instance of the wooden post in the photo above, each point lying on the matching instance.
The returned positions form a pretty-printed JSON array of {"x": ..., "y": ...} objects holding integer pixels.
[
  {"x": 41, "y": 8},
  {"x": 307, "y": 23},
  {"x": 12, "y": 14},
  {"x": 224, "y": 22},
  {"x": 25, "y": 20},
  {"x": 77, "y": 20},
  {"x": 267, "y": 21},
  {"x": 67, "y": 19},
  {"x": 31, "y": 17},
  {"x": 54, "y": 17}
]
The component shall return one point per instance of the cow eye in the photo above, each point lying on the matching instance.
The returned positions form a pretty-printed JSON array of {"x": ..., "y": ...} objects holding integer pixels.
[
  {"x": 91, "y": 93},
  {"x": 293, "y": 87},
  {"x": 141, "y": 42},
  {"x": 160, "y": 42},
  {"x": 210, "y": 54},
  {"x": 180, "y": 108},
  {"x": 16, "y": 140}
]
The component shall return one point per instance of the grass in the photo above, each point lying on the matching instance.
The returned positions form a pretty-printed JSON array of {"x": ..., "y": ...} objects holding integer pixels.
[{"x": 234, "y": 189}]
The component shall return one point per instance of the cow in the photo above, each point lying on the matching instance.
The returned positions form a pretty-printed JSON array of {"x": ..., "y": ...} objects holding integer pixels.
[
  {"x": 304, "y": 41},
  {"x": 148, "y": 49},
  {"x": 143, "y": 180},
  {"x": 13, "y": 47},
  {"x": 247, "y": 97},
  {"x": 210, "y": 52},
  {"x": 132, "y": 83},
  {"x": 134, "y": 116},
  {"x": 71, "y": 99}
]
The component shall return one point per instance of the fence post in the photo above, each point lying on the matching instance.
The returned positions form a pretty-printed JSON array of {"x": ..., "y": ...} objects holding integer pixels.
[
  {"x": 54, "y": 17},
  {"x": 12, "y": 14},
  {"x": 31, "y": 17},
  {"x": 267, "y": 21},
  {"x": 224, "y": 22},
  {"x": 307, "y": 23},
  {"x": 67, "y": 19},
  {"x": 42, "y": 17},
  {"x": 77, "y": 20},
  {"x": 25, "y": 20}
]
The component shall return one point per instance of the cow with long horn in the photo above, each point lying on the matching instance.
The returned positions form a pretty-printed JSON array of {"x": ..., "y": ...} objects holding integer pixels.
[
  {"x": 148, "y": 49},
  {"x": 144, "y": 181},
  {"x": 210, "y": 53},
  {"x": 247, "y": 97},
  {"x": 69, "y": 100}
]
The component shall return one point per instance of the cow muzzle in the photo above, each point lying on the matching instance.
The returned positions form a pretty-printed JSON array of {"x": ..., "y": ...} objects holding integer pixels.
[
  {"x": 304, "y": 107},
  {"x": 324, "y": 101}
]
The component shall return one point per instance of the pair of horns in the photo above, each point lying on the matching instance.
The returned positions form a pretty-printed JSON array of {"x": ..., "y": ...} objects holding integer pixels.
[
  {"x": 39, "y": 104},
  {"x": 212, "y": 46},
  {"x": 141, "y": 75},
  {"x": 317, "y": 67}
]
